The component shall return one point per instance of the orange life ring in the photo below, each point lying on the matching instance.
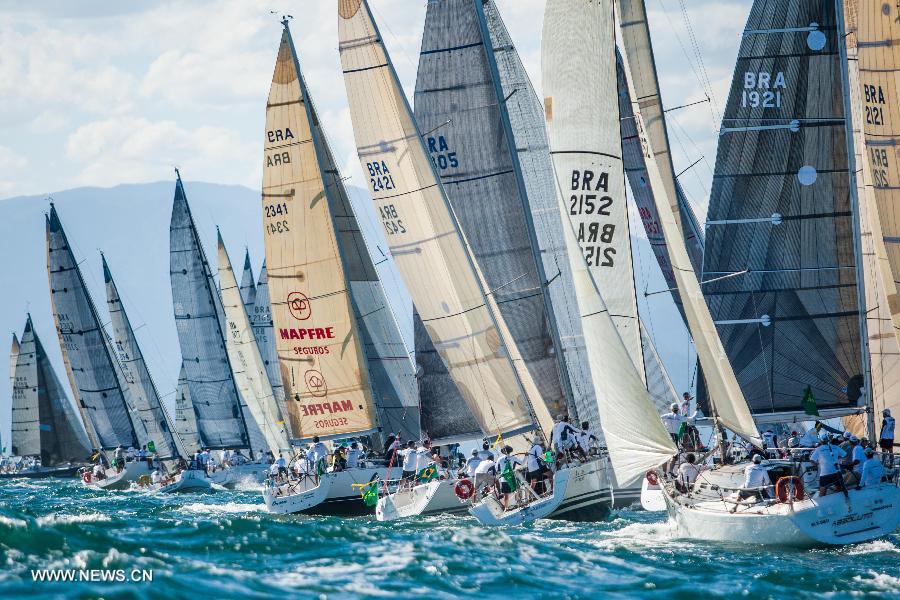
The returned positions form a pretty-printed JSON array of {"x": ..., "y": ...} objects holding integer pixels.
[
  {"x": 652, "y": 478},
  {"x": 788, "y": 489},
  {"x": 464, "y": 489},
  {"x": 86, "y": 477}
]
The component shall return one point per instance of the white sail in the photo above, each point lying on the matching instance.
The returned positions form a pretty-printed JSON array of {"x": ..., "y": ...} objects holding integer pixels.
[
  {"x": 246, "y": 362},
  {"x": 577, "y": 35},
  {"x": 185, "y": 418},
  {"x": 725, "y": 394},
  {"x": 13, "y": 358},
  {"x": 26, "y": 420},
  {"x": 425, "y": 240},
  {"x": 248, "y": 285},
  {"x": 658, "y": 382}
]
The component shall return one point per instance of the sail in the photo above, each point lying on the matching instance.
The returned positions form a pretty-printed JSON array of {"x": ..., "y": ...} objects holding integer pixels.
[
  {"x": 526, "y": 120},
  {"x": 324, "y": 367},
  {"x": 220, "y": 421},
  {"x": 247, "y": 363},
  {"x": 248, "y": 285},
  {"x": 26, "y": 417},
  {"x": 185, "y": 417},
  {"x": 658, "y": 383},
  {"x": 13, "y": 359},
  {"x": 429, "y": 249},
  {"x": 458, "y": 102},
  {"x": 780, "y": 236},
  {"x": 261, "y": 320},
  {"x": 144, "y": 397},
  {"x": 91, "y": 367},
  {"x": 884, "y": 350},
  {"x": 879, "y": 64}
]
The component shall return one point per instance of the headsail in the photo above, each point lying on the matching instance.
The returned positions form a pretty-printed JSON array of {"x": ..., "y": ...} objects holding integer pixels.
[
  {"x": 247, "y": 363},
  {"x": 144, "y": 397},
  {"x": 185, "y": 417},
  {"x": 658, "y": 383},
  {"x": 91, "y": 367},
  {"x": 26, "y": 417},
  {"x": 248, "y": 285},
  {"x": 780, "y": 236},
  {"x": 220, "y": 421},
  {"x": 264, "y": 332},
  {"x": 429, "y": 249}
]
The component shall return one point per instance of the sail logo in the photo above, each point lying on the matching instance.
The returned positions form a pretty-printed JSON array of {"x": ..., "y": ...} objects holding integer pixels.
[
  {"x": 874, "y": 95},
  {"x": 311, "y": 333},
  {"x": 440, "y": 153},
  {"x": 592, "y": 235},
  {"x": 315, "y": 384},
  {"x": 299, "y": 305},
  {"x": 762, "y": 89}
]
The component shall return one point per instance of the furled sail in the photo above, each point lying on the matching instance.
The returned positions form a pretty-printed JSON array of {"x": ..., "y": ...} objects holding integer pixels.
[
  {"x": 220, "y": 421},
  {"x": 579, "y": 37},
  {"x": 458, "y": 102},
  {"x": 526, "y": 119},
  {"x": 780, "y": 238},
  {"x": 91, "y": 366},
  {"x": 144, "y": 398},
  {"x": 425, "y": 240},
  {"x": 185, "y": 417},
  {"x": 247, "y": 363},
  {"x": 264, "y": 332},
  {"x": 248, "y": 285},
  {"x": 26, "y": 417},
  {"x": 324, "y": 368}
]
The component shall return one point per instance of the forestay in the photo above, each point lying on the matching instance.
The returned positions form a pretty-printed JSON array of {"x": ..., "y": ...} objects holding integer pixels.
[
  {"x": 264, "y": 332},
  {"x": 429, "y": 249},
  {"x": 324, "y": 365},
  {"x": 780, "y": 238},
  {"x": 143, "y": 396},
  {"x": 246, "y": 362},
  {"x": 185, "y": 419},
  {"x": 220, "y": 421},
  {"x": 86, "y": 352}
]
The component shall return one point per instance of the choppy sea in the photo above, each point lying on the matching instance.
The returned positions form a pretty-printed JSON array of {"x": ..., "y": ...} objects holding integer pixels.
[{"x": 224, "y": 545}]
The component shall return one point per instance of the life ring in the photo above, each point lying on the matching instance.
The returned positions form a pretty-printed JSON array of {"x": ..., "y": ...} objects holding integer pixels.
[
  {"x": 464, "y": 489},
  {"x": 86, "y": 477},
  {"x": 788, "y": 489},
  {"x": 652, "y": 478}
]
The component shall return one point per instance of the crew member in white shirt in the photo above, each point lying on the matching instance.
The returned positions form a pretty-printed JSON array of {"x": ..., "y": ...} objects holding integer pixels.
[
  {"x": 472, "y": 463},
  {"x": 886, "y": 438},
  {"x": 506, "y": 463},
  {"x": 353, "y": 455},
  {"x": 828, "y": 455},
  {"x": 756, "y": 480},
  {"x": 872, "y": 470},
  {"x": 485, "y": 473}
]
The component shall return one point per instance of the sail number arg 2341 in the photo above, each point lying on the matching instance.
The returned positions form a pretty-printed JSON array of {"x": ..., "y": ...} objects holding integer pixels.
[
  {"x": 381, "y": 180},
  {"x": 594, "y": 238}
]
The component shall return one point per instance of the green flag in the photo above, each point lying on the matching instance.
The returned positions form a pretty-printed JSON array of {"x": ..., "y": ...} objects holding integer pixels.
[
  {"x": 370, "y": 494},
  {"x": 151, "y": 447},
  {"x": 681, "y": 430},
  {"x": 427, "y": 474},
  {"x": 509, "y": 477},
  {"x": 321, "y": 468},
  {"x": 809, "y": 403}
]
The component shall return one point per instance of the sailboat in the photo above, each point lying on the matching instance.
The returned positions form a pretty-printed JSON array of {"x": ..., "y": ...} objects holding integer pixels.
[
  {"x": 45, "y": 426},
  {"x": 224, "y": 421},
  {"x": 344, "y": 366},
  {"x": 145, "y": 400},
  {"x": 95, "y": 374}
]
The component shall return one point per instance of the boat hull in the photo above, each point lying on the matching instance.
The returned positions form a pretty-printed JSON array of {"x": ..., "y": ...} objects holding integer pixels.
[
  {"x": 44, "y": 473},
  {"x": 652, "y": 499},
  {"x": 249, "y": 473},
  {"x": 122, "y": 481},
  {"x": 580, "y": 493},
  {"x": 343, "y": 496},
  {"x": 188, "y": 481},
  {"x": 432, "y": 498}
]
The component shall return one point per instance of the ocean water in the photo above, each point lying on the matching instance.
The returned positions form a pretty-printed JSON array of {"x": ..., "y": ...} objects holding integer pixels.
[{"x": 224, "y": 545}]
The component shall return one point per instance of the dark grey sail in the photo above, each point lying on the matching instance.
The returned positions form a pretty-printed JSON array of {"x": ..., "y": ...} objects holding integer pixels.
[
  {"x": 781, "y": 210},
  {"x": 248, "y": 285},
  {"x": 185, "y": 417},
  {"x": 466, "y": 130},
  {"x": 144, "y": 398},
  {"x": 263, "y": 331},
  {"x": 198, "y": 319},
  {"x": 86, "y": 352}
]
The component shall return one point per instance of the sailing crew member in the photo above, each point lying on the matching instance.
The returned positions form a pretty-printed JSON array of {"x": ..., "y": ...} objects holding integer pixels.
[
  {"x": 281, "y": 465},
  {"x": 484, "y": 473},
  {"x": 828, "y": 455},
  {"x": 410, "y": 458},
  {"x": 119, "y": 457},
  {"x": 770, "y": 441},
  {"x": 155, "y": 477},
  {"x": 886, "y": 438},
  {"x": 756, "y": 480},
  {"x": 563, "y": 437},
  {"x": 673, "y": 421},
  {"x": 485, "y": 452},
  {"x": 686, "y": 403},
  {"x": 857, "y": 458},
  {"x": 872, "y": 470},
  {"x": 586, "y": 438},
  {"x": 688, "y": 472},
  {"x": 318, "y": 451},
  {"x": 537, "y": 474},
  {"x": 472, "y": 463},
  {"x": 353, "y": 455},
  {"x": 99, "y": 472},
  {"x": 507, "y": 464},
  {"x": 424, "y": 456}
]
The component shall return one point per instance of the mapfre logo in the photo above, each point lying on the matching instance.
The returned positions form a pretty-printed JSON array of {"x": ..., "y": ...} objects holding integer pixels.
[
  {"x": 315, "y": 383},
  {"x": 299, "y": 306}
]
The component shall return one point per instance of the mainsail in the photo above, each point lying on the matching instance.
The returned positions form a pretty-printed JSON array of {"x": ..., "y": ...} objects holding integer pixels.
[
  {"x": 143, "y": 397},
  {"x": 26, "y": 418},
  {"x": 428, "y": 247},
  {"x": 780, "y": 239},
  {"x": 185, "y": 418},
  {"x": 248, "y": 284},
  {"x": 13, "y": 358},
  {"x": 90, "y": 364},
  {"x": 324, "y": 367},
  {"x": 220, "y": 421},
  {"x": 246, "y": 361},
  {"x": 459, "y": 102},
  {"x": 264, "y": 332}
]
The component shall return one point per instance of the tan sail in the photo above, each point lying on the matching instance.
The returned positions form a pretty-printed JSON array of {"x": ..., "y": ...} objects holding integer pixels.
[
  {"x": 884, "y": 349},
  {"x": 725, "y": 394},
  {"x": 424, "y": 238},
  {"x": 247, "y": 363},
  {"x": 13, "y": 359},
  {"x": 323, "y": 367}
]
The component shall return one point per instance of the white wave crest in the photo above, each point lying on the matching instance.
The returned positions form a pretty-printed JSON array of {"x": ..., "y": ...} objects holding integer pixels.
[
  {"x": 227, "y": 508},
  {"x": 58, "y": 519},
  {"x": 11, "y": 522}
]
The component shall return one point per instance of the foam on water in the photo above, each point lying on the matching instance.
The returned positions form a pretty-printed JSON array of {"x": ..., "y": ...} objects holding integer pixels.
[
  {"x": 58, "y": 519},
  {"x": 227, "y": 508}
]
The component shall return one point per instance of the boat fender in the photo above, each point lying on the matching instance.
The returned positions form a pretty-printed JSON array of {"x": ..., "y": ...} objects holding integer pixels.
[
  {"x": 464, "y": 489},
  {"x": 86, "y": 477},
  {"x": 788, "y": 489},
  {"x": 652, "y": 478}
]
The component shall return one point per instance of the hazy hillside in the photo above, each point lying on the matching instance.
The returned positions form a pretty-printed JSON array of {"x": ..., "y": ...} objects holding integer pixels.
[{"x": 130, "y": 224}]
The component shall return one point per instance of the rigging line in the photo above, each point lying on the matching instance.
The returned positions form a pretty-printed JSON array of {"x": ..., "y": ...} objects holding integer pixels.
[
  {"x": 696, "y": 44},
  {"x": 680, "y": 106}
]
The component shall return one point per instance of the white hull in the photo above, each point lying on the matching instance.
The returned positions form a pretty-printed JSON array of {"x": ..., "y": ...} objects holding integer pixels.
[
  {"x": 652, "y": 498},
  {"x": 432, "y": 498},
  {"x": 229, "y": 477},
  {"x": 122, "y": 481},
  {"x": 187, "y": 481},
  {"x": 340, "y": 495},
  {"x": 289, "y": 499},
  {"x": 580, "y": 493}
]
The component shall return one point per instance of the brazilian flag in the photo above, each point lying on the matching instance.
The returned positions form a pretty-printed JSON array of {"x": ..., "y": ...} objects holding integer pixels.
[
  {"x": 509, "y": 477},
  {"x": 427, "y": 474},
  {"x": 370, "y": 494},
  {"x": 809, "y": 403}
]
